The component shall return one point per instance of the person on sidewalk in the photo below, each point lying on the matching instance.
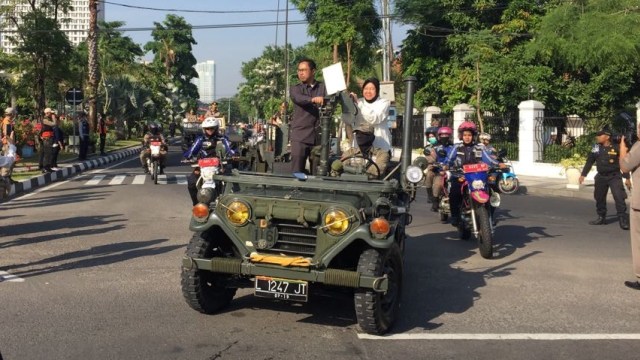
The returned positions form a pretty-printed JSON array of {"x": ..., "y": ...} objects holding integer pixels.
[
  {"x": 58, "y": 144},
  {"x": 83, "y": 131},
  {"x": 629, "y": 161},
  {"x": 46, "y": 139},
  {"x": 8, "y": 136},
  {"x": 606, "y": 156},
  {"x": 102, "y": 132}
]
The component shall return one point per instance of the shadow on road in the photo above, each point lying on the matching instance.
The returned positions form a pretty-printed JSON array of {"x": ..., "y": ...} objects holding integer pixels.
[
  {"x": 70, "y": 198},
  {"x": 52, "y": 225},
  {"x": 435, "y": 282},
  {"x": 93, "y": 257}
]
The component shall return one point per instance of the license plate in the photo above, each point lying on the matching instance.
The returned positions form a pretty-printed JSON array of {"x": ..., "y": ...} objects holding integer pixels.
[{"x": 276, "y": 288}]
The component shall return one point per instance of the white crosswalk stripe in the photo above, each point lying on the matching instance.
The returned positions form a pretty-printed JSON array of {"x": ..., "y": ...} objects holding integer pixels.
[
  {"x": 139, "y": 179},
  {"x": 117, "y": 180},
  {"x": 95, "y": 180},
  {"x": 171, "y": 179}
]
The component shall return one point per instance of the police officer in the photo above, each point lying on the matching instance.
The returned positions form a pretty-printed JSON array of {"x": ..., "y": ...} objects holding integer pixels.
[{"x": 606, "y": 157}]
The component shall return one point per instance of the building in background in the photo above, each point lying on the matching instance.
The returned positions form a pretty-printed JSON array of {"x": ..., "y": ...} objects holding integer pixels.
[
  {"x": 206, "y": 81},
  {"x": 76, "y": 27}
]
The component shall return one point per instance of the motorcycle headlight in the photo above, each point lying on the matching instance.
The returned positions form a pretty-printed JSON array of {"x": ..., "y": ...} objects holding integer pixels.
[
  {"x": 477, "y": 185},
  {"x": 238, "y": 212},
  {"x": 336, "y": 222},
  {"x": 414, "y": 174},
  {"x": 494, "y": 200}
]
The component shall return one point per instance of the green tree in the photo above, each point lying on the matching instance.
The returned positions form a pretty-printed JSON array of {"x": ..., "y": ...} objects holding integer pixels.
[
  {"x": 592, "y": 45},
  {"x": 40, "y": 45},
  {"x": 344, "y": 26}
]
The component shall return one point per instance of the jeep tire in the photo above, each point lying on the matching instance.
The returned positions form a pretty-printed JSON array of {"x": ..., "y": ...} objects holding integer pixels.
[
  {"x": 205, "y": 291},
  {"x": 377, "y": 311}
]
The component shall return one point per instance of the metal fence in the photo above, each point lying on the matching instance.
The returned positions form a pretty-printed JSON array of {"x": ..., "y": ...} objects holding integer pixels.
[
  {"x": 417, "y": 135},
  {"x": 560, "y": 137}
]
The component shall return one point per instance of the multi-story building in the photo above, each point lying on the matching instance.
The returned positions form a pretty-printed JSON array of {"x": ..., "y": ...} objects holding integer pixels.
[
  {"x": 75, "y": 24},
  {"x": 206, "y": 81}
]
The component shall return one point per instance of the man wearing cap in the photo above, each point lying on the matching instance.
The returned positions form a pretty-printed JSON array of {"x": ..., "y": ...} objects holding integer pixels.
[
  {"x": 213, "y": 111},
  {"x": 46, "y": 139},
  {"x": 606, "y": 156}
]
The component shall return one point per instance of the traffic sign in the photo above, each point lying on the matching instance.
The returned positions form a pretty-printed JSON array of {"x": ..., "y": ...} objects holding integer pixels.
[{"x": 74, "y": 96}]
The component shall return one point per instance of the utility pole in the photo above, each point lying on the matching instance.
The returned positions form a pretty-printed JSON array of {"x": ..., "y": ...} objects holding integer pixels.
[{"x": 386, "y": 35}]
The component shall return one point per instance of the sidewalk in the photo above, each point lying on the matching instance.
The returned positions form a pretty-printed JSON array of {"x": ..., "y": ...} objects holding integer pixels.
[
  {"x": 535, "y": 185},
  {"x": 68, "y": 169}
]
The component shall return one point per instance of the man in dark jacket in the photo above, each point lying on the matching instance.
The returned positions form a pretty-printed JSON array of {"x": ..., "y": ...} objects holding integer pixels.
[
  {"x": 306, "y": 96},
  {"x": 606, "y": 156}
]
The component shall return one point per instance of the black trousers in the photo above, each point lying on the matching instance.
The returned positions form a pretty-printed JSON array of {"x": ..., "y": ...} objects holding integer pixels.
[
  {"x": 602, "y": 185},
  {"x": 47, "y": 153},
  {"x": 103, "y": 138},
  {"x": 54, "y": 156},
  {"x": 84, "y": 148},
  {"x": 299, "y": 154}
]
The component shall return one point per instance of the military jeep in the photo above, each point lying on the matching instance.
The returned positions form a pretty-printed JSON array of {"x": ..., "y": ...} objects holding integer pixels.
[{"x": 284, "y": 235}]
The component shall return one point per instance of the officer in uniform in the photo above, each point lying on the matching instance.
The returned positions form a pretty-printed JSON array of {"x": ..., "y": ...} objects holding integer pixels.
[{"x": 606, "y": 157}]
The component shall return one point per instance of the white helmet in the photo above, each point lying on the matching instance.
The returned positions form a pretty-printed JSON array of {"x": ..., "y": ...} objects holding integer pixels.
[
  {"x": 485, "y": 136},
  {"x": 210, "y": 122}
]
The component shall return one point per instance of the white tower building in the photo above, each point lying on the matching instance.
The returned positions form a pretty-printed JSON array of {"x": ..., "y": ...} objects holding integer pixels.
[
  {"x": 206, "y": 81},
  {"x": 76, "y": 27}
]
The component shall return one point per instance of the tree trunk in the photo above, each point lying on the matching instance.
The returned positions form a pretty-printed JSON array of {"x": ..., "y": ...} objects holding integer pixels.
[
  {"x": 335, "y": 53},
  {"x": 478, "y": 93},
  {"x": 94, "y": 69},
  {"x": 348, "y": 62}
]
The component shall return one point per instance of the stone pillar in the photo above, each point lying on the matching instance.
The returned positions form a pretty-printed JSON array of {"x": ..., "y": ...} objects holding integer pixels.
[
  {"x": 531, "y": 115},
  {"x": 428, "y": 117},
  {"x": 460, "y": 113}
]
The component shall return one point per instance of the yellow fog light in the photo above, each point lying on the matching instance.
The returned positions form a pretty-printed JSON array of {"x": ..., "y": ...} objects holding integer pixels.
[
  {"x": 336, "y": 222},
  {"x": 379, "y": 227},
  {"x": 238, "y": 212}
]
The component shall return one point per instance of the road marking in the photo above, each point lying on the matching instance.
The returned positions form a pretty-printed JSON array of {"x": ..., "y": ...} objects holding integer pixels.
[
  {"x": 95, "y": 180},
  {"x": 181, "y": 179},
  {"x": 117, "y": 180},
  {"x": 516, "y": 336},
  {"x": 5, "y": 276},
  {"x": 139, "y": 179}
]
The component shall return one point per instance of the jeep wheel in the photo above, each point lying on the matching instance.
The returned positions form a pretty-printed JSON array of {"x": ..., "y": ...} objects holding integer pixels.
[
  {"x": 205, "y": 291},
  {"x": 377, "y": 311}
]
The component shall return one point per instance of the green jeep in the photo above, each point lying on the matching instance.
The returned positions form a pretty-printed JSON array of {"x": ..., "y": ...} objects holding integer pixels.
[{"x": 282, "y": 235}]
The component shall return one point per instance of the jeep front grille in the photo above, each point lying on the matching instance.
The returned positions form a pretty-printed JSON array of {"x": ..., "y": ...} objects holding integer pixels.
[{"x": 294, "y": 239}]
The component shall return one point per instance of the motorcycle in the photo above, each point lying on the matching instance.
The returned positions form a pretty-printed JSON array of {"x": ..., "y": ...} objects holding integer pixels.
[
  {"x": 476, "y": 213},
  {"x": 208, "y": 188},
  {"x": 153, "y": 161},
  {"x": 504, "y": 180}
]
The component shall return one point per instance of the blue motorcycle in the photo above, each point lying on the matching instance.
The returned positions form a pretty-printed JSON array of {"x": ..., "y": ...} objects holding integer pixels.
[{"x": 504, "y": 180}]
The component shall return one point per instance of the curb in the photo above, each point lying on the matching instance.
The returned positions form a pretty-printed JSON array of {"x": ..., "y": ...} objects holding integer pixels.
[
  {"x": 48, "y": 178},
  {"x": 533, "y": 190}
]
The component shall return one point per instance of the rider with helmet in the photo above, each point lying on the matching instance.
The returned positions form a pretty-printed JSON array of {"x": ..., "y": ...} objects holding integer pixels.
[
  {"x": 204, "y": 146},
  {"x": 466, "y": 152},
  {"x": 154, "y": 134},
  {"x": 485, "y": 140},
  {"x": 440, "y": 152}
]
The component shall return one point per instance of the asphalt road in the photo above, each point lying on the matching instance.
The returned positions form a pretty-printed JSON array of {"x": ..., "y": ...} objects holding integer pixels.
[{"x": 91, "y": 270}]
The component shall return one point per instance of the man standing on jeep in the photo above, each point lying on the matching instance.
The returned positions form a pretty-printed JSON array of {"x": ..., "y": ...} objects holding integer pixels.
[{"x": 306, "y": 97}]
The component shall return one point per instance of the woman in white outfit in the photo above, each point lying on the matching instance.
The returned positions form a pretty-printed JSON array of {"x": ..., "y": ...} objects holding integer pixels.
[{"x": 371, "y": 129}]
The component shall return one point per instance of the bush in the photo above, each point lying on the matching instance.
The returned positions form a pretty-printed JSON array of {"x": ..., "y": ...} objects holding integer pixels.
[{"x": 554, "y": 153}]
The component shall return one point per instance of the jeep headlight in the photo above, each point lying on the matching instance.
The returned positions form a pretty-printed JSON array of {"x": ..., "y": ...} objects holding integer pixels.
[
  {"x": 336, "y": 222},
  {"x": 414, "y": 174},
  {"x": 238, "y": 212}
]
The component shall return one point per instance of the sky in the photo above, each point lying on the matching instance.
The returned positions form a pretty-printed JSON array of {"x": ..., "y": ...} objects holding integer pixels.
[{"x": 229, "y": 47}]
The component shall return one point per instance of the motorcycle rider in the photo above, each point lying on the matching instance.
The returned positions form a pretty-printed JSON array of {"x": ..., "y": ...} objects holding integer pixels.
[
  {"x": 434, "y": 178},
  {"x": 485, "y": 140},
  {"x": 154, "y": 134},
  {"x": 466, "y": 152},
  {"x": 204, "y": 146}
]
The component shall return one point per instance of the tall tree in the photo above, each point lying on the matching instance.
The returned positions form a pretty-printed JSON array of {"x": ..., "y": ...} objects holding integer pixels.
[
  {"x": 94, "y": 64},
  {"x": 353, "y": 25},
  {"x": 172, "y": 48},
  {"x": 40, "y": 43}
]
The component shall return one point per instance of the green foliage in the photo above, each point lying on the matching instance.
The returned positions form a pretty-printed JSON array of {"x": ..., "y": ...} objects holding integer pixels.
[{"x": 575, "y": 161}]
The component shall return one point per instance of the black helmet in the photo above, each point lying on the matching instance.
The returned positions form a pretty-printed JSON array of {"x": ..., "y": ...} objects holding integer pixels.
[{"x": 154, "y": 129}]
